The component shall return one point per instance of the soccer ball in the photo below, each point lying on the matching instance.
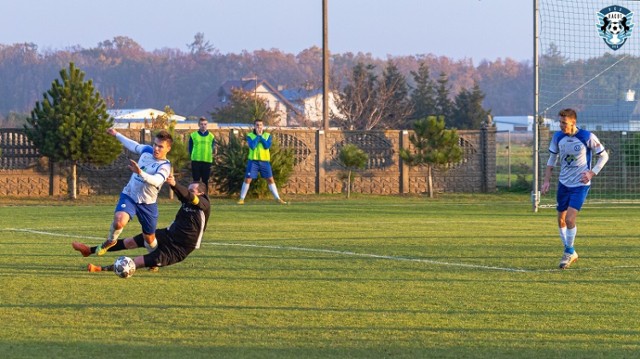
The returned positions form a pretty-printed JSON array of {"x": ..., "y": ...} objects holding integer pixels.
[
  {"x": 614, "y": 27},
  {"x": 124, "y": 267}
]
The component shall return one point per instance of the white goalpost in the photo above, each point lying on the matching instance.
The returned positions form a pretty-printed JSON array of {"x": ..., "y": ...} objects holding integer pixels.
[{"x": 587, "y": 57}]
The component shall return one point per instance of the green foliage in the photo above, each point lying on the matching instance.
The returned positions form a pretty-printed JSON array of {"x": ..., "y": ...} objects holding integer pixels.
[
  {"x": 244, "y": 107},
  {"x": 230, "y": 164},
  {"x": 434, "y": 146},
  {"x": 353, "y": 158},
  {"x": 231, "y": 161},
  {"x": 423, "y": 97},
  {"x": 444, "y": 106},
  {"x": 70, "y": 122},
  {"x": 396, "y": 91},
  {"x": 469, "y": 113}
]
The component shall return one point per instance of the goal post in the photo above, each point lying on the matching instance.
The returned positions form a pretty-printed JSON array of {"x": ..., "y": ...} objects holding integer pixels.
[{"x": 587, "y": 57}]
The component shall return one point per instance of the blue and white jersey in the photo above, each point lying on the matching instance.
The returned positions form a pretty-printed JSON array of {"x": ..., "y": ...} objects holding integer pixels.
[
  {"x": 144, "y": 187},
  {"x": 575, "y": 154}
]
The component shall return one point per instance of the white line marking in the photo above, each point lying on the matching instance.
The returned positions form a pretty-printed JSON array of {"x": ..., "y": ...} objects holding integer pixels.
[
  {"x": 349, "y": 253},
  {"x": 367, "y": 255}
]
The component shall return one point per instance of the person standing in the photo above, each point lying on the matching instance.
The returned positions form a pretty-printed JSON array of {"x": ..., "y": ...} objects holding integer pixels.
[
  {"x": 574, "y": 148},
  {"x": 259, "y": 143},
  {"x": 175, "y": 242},
  {"x": 201, "y": 144},
  {"x": 139, "y": 197}
]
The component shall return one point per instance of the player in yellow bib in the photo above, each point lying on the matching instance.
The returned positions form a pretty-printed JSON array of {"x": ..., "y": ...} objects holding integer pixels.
[
  {"x": 259, "y": 143},
  {"x": 201, "y": 144}
]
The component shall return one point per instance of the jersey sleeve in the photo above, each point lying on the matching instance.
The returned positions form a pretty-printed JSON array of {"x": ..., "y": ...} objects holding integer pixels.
[
  {"x": 132, "y": 145},
  {"x": 553, "y": 145},
  {"x": 595, "y": 144}
]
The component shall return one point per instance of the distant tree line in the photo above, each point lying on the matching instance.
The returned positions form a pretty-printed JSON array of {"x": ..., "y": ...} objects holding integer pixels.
[
  {"x": 127, "y": 76},
  {"x": 370, "y": 101}
]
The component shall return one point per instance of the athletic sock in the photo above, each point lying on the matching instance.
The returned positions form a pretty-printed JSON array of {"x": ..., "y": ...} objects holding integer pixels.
[
  {"x": 244, "y": 190},
  {"x": 571, "y": 237},
  {"x": 563, "y": 235},
  {"x": 118, "y": 247},
  {"x": 274, "y": 190},
  {"x": 114, "y": 233}
]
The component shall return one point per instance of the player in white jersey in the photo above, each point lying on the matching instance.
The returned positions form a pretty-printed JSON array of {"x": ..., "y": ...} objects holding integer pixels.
[
  {"x": 139, "y": 197},
  {"x": 574, "y": 148}
]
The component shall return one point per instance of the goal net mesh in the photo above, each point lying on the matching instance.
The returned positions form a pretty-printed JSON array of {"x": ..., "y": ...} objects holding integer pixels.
[{"x": 589, "y": 61}]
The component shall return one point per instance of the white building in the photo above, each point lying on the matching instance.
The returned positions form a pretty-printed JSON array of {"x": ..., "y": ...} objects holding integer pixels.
[
  {"x": 136, "y": 118},
  {"x": 309, "y": 103},
  {"x": 520, "y": 123}
]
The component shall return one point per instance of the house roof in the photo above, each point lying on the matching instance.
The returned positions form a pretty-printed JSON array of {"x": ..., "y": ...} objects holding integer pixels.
[
  {"x": 294, "y": 95},
  {"x": 213, "y": 101}
]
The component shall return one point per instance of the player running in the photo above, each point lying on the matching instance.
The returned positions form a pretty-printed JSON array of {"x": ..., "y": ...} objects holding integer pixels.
[
  {"x": 139, "y": 197},
  {"x": 176, "y": 241}
]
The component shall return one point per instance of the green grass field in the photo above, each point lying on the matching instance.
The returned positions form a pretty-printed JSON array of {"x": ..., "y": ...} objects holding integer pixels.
[{"x": 464, "y": 276}]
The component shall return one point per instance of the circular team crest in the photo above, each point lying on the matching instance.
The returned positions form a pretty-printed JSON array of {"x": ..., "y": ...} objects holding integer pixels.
[{"x": 615, "y": 25}]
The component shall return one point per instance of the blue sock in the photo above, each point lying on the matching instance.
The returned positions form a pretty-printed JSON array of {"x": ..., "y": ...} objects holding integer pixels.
[{"x": 569, "y": 250}]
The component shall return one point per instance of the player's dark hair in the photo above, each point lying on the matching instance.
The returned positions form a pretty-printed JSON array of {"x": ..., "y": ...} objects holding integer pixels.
[
  {"x": 202, "y": 119},
  {"x": 164, "y": 135},
  {"x": 568, "y": 112}
]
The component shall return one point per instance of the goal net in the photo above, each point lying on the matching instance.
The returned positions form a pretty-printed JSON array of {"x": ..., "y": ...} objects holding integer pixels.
[{"x": 588, "y": 55}]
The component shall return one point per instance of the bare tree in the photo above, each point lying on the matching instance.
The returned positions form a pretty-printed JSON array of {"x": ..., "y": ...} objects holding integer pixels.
[{"x": 367, "y": 102}]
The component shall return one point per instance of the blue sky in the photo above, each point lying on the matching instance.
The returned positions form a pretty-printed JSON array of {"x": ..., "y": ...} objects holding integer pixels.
[{"x": 475, "y": 29}]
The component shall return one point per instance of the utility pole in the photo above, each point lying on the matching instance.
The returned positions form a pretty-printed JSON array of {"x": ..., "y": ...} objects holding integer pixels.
[{"x": 325, "y": 66}]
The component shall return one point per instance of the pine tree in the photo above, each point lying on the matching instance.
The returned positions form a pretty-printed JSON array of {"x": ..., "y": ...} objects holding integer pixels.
[
  {"x": 423, "y": 97},
  {"x": 444, "y": 105},
  {"x": 469, "y": 113},
  {"x": 352, "y": 158},
  {"x": 397, "y": 90},
  {"x": 70, "y": 124},
  {"x": 433, "y": 146}
]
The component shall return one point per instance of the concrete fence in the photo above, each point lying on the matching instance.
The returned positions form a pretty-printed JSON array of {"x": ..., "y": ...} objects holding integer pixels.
[{"x": 23, "y": 172}]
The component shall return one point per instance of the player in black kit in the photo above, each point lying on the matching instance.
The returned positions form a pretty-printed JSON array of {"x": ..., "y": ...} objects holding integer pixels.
[{"x": 176, "y": 241}]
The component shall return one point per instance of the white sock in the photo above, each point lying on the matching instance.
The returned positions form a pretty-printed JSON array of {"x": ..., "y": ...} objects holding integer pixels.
[
  {"x": 563, "y": 235},
  {"x": 571, "y": 236},
  {"x": 274, "y": 190},
  {"x": 151, "y": 247},
  {"x": 244, "y": 190},
  {"x": 114, "y": 233}
]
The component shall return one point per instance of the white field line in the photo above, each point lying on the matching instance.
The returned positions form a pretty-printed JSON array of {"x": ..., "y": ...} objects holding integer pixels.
[{"x": 347, "y": 253}]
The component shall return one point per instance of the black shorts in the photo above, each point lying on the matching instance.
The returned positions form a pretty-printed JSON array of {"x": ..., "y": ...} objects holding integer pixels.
[{"x": 167, "y": 253}]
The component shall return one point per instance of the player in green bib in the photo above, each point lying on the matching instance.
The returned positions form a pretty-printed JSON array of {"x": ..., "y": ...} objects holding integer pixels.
[
  {"x": 259, "y": 143},
  {"x": 201, "y": 144}
]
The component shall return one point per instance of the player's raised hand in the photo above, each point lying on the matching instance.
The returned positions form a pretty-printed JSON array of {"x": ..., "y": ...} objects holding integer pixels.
[
  {"x": 171, "y": 180},
  {"x": 133, "y": 166},
  {"x": 112, "y": 131}
]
